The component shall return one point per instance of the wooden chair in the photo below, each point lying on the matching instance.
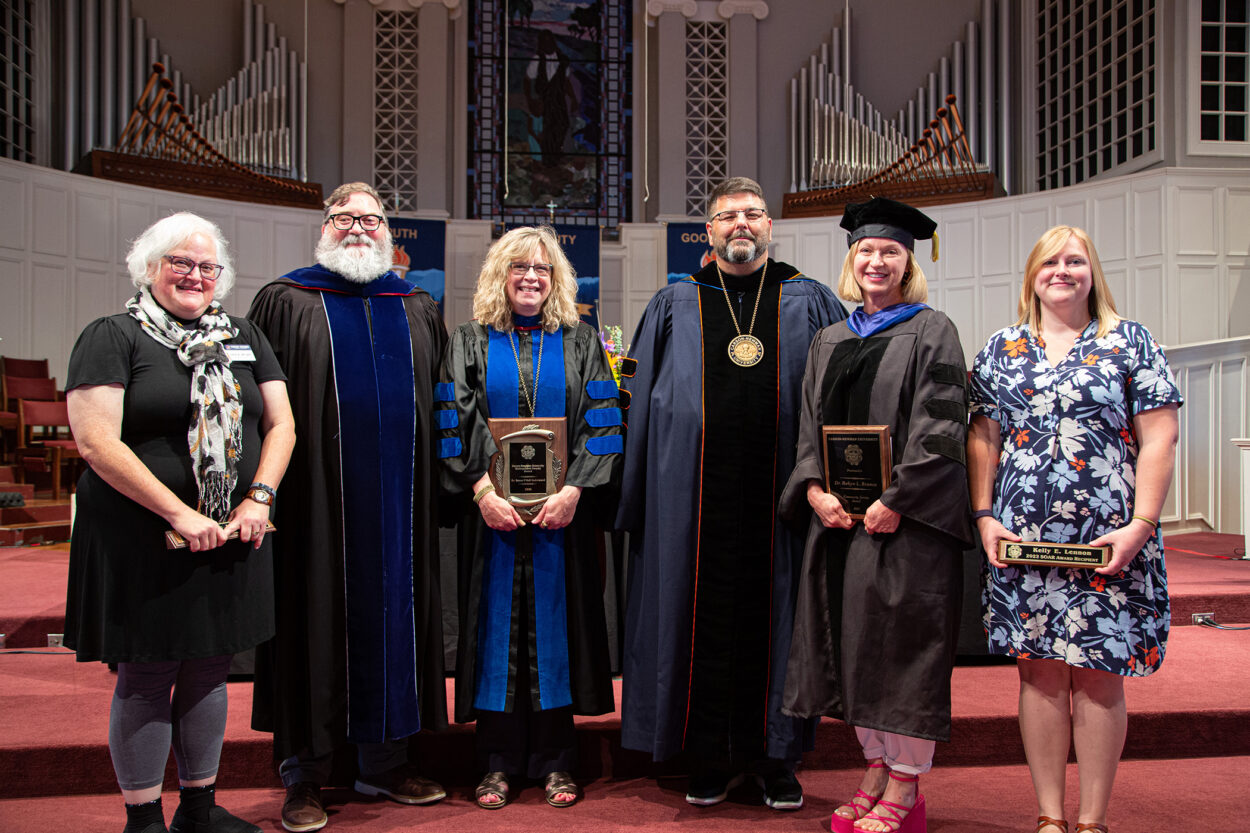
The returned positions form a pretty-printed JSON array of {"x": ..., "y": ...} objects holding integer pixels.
[
  {"x": 41, "y": 440},
  {"x": 27, "y": 368},
  {"x": 13, "y": 388}
]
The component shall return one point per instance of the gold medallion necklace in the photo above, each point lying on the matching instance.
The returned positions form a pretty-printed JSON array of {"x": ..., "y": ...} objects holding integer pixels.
[
  {"x": 745, "y": 350},
  {"x": 529, "y": 400}
]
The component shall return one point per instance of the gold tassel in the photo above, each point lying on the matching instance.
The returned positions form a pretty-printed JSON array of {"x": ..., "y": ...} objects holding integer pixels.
[{"x": 935, "y": 247}]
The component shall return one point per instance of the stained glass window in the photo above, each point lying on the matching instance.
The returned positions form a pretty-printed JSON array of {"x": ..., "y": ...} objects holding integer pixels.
[{"x": 550, "y": 112}]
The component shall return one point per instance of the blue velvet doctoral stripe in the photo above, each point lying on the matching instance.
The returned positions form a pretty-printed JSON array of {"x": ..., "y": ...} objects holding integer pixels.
[
  {"x": 599, "y": 446},
  {"x": 601, "y": 389},
  {"x": 550, "y": 605},
  {"x": 447, "y": 418},
  {"x": 603, "y": 417},
  {"x": 445, "y": 392},
  {"x": 449, "y": 447},
  {"x": 373, "y": 372}
]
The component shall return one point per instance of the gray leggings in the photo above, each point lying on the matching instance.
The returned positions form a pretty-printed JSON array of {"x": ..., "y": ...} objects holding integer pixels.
[{"x": 145, "y": 720}]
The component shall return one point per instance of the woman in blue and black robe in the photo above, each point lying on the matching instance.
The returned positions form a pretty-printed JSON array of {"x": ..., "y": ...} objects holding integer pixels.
[{"x": 533, "y": 645}]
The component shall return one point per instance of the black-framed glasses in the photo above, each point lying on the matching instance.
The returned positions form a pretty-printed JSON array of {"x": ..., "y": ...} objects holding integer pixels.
[
  {"x": 368, "y": 222},
  {"x": 752, "y": 215},
  {"x": 185, "y": 266},
  {"x": 542, "y": 270}
]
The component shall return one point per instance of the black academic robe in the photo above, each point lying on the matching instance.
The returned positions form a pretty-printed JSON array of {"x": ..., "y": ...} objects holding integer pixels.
[
  {"x": 877, "y": 619},
  {"x": 709, "y": 445},
  {"x": 486, "y": 658},
  {"x": 302, "y": 675}
]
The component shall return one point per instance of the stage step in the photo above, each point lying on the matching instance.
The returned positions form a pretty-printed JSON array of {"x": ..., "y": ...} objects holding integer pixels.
[
  {"x": 977, "y": 799},
  {"x": 56, "y": 728},
  {"x": 35, "y": 512},
  {"x": 26, "y": 490},
  {"x": 34, "y": 534}
]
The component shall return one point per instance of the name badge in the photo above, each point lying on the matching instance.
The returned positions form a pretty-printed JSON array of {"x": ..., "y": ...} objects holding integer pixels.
[{"x": 240, "y": 352}]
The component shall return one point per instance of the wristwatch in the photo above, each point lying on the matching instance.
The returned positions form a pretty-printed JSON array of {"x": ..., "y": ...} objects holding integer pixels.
[{"x": 261, "y": 493}]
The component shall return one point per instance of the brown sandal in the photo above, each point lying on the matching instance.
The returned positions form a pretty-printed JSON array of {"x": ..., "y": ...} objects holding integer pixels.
[
  {"x": 1091, "y": 827},
  {"x": 561, "y": 782},
  {"x": 1047, "y": 821},
  {"x": 494, "y": 784}
]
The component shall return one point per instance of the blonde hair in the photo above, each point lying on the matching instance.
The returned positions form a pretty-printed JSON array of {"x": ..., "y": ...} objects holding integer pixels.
[
  {"x": 915, "y": 286},
  {"x": 490, "y": 302},
  {"x": 1101, "y": 304}
]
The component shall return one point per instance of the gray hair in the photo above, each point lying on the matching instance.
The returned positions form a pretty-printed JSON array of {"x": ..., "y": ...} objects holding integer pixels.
[
  {"x": 163, "y": 236},
  {"x": 344, "y": 192}
]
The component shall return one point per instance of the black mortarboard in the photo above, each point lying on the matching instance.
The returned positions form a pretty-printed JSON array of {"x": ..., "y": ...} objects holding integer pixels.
[{"x": 881, "y": 217}]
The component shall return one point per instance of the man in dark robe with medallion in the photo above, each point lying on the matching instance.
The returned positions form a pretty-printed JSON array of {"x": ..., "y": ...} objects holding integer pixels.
[
  {"x": 358, "y": 653},
  {"x": 714, "y": 403}
]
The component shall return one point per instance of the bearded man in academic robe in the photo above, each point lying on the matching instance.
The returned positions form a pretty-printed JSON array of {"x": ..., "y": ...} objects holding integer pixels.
[
  {"x": 358, "y": 654},
  {"x": 714, "y": 405}
]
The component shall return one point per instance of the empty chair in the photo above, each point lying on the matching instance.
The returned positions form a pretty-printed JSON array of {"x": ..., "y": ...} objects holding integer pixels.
[{"x": 40, "y": 437}]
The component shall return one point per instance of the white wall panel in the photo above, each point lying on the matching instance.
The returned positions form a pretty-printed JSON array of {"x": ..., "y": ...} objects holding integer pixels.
[
  {"x": 293, "y": 245},
  {"x": 1197, "y": 304},
  {"x": 1231, "y": 402},
  {"x": 1194, "y": 221},
  {"x": 1111, "y": 220},
  {"x": 93, "y": 227},
  {"x": 252, "y": 244},
  {"x": 1117, "y": 279},
  {"x": 1147, "y": 222},
  {"x": 1147, "y": 303},
  {"x": 52, "y": 335},
  {"x": 957, "y": 248},
  {"x": 1238, "y": 301},
  {"x": 13, "y": 192},
  {"x": 50, "y": 218},
  {"x": 15, "y": 319},
  {"x": 1066, "y": 214},
  {"x": 1034, "y": 218},
  {"x": 132, "y": 217},
  {"x": 996, "y": 258},
  {"x": 93, "y": 292},
  {"x": 1237, "y": 222}
]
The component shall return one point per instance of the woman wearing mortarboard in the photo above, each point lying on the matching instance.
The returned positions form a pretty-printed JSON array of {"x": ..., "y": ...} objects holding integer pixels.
[{"x": 877, "y": 617}]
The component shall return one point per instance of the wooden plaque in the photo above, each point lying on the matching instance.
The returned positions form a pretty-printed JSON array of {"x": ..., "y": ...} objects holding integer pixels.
[
  {"x": 857, "y": 464},
  {"x": 174, "y": 541},
  {"x": 531, "y": 462}
]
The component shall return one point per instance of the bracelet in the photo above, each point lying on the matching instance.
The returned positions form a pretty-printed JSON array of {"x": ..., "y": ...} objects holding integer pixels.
[
  {"x": 1153, "y": 524},
  {"x": 982, "y": 513},
  {"x": 483, "y": 492}
]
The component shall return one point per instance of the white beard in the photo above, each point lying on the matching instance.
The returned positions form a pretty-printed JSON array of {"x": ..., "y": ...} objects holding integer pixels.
[{"x": 356, "y": 265}]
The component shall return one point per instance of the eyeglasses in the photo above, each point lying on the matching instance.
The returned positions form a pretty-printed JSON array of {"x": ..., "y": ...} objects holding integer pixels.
[
  {"x": 752, "y": 215},
  {"x": 542, "y": 270},
  {"x": 344, "y": 222},
  {"x": 185, "y": 266}
]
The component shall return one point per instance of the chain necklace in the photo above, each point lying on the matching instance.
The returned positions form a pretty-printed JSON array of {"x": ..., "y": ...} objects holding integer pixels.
[
  {"x": 529, "y": 400},
  {"x": 745, "y": 350}
]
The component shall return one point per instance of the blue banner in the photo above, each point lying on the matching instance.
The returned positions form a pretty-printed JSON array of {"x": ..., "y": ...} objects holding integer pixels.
[
  {"x": 688, "y": 250},
  {"x": 420, "y": 254}
]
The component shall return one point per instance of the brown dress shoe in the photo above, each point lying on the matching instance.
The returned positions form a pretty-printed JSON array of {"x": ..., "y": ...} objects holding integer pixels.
[
  {"x": 401, "y": 784},
  {"x": 302, "y": 811}
]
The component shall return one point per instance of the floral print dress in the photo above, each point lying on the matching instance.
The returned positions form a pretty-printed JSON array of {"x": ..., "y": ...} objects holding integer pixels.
[{"x": 1066, "y": 475}]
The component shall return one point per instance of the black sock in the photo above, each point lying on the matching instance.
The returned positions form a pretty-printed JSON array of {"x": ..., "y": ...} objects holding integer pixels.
[
  {"x": 195, "y": 802},
  {"x": 141, "y": 816}
]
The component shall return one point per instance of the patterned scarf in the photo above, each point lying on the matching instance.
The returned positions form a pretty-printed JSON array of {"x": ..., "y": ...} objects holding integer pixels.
[{"x": 215, "y": 436}]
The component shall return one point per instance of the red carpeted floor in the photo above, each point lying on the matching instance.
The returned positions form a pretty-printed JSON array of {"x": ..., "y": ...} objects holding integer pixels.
[{"x": 1189, "y": 738}]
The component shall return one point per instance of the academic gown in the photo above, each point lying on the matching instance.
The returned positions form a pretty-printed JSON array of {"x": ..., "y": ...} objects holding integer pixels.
[
  {"x": 877, "y": 618},
  {"x": 709, "y": 445},
  {"x": 567, "y": 649},
  {"x": 363, "y": 603}
]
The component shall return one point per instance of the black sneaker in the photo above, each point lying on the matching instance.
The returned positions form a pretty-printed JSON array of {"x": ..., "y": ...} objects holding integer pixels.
[
  {"x": 219, "y": 821},
  {"x": 782, "y": 790},
  {"x": 302, "y": 811},
  {"x": 708, "y": 788}
]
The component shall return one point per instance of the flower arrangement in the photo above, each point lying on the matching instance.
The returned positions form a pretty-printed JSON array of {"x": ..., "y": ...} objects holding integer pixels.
[{"x": 614, "y": 345}]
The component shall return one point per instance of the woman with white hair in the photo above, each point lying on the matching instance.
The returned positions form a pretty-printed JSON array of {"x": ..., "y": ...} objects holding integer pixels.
[
  {"x": 181, "y": 414},
  {"x": 533, "y": 640}
]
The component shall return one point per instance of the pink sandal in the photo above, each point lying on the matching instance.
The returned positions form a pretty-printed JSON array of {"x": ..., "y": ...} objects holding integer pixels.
[
  {"x": 861, "y": 804},
  {"x": 899, "y": 818}
]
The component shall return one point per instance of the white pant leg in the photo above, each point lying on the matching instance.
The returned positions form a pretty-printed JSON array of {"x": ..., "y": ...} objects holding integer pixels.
[{"x": 904, "y": 754}]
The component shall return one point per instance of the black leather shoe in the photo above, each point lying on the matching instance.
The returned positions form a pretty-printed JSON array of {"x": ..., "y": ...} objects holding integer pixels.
[{"x": 302, "y": 811}]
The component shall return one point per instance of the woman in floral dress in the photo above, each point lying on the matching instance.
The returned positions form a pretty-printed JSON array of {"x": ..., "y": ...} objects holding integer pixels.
[{"x": 1072, "y": 440}]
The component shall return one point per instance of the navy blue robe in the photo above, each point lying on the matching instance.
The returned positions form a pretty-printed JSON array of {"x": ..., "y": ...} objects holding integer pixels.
[{"x": 693, "y": 479}]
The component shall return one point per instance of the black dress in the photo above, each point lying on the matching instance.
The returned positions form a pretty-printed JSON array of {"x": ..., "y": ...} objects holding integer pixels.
[{"x": 130, "y": 599}]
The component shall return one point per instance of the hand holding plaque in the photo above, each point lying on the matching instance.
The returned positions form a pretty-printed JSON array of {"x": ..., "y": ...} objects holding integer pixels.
[
  {"x": 857, "y": 465},
  {"x": 530, "y": 465}
]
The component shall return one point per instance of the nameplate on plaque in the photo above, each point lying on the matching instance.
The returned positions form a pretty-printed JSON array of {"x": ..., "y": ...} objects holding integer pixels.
[
  {"x": 530, "y": 465},
  {"x": 857, "y": 464},
  {"x": 1041, "y": 554}
]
